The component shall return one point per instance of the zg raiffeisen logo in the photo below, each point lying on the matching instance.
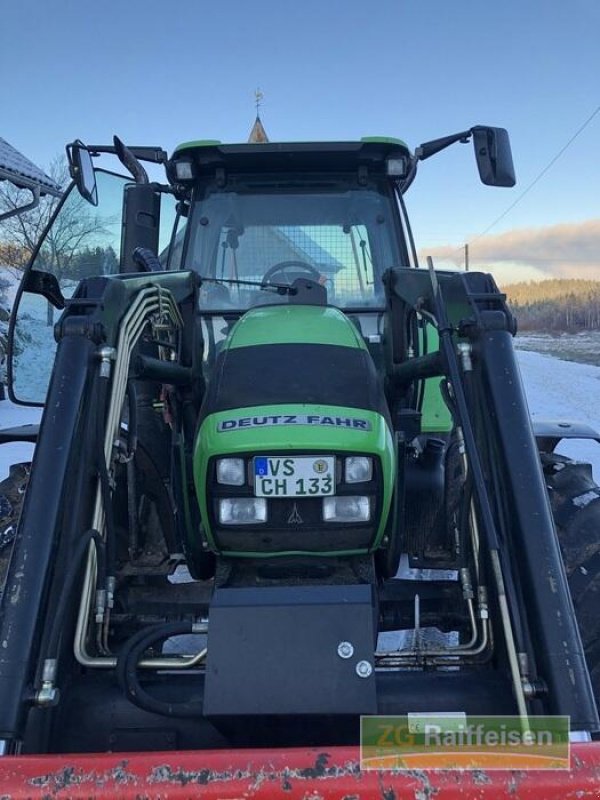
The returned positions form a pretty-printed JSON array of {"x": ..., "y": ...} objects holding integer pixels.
[{"x": 453, "y": 741}]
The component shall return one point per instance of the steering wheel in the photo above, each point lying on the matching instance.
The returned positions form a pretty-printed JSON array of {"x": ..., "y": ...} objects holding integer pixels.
[
  {"x": 215, "y": 295},
  {"x": 301, "y": 270}
]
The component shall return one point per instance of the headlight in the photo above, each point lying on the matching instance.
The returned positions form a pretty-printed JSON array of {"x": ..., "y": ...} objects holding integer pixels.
[
  {"x": 346, "y": 509},
  {"x": 230, "y": 471},
  {"x": 358, "y": 469},
  {"x": 184, "y": 170},
  {"x": 242, "y": 510}
]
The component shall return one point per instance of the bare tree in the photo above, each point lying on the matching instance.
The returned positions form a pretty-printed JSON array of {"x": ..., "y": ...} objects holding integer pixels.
[{"x": 20, "y": 234}]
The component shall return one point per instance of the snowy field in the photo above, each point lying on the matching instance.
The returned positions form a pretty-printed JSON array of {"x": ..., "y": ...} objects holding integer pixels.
[
  {"x": 556, "y": 390},
  {"x": 564, "y": 390},
  {"x": 583, "y": 347}
]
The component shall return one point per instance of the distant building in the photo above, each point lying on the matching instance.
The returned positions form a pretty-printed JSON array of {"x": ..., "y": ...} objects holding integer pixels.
[{"x": 258, "y": 134}]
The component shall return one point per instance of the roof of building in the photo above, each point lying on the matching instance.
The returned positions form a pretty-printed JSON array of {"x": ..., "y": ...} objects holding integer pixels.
[
  {"x": 258, "y": 134},
  {"x": 17, "y": 169}
]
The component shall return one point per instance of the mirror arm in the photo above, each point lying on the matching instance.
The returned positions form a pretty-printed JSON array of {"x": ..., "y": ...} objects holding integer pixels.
[
  {"x": 156, "y": 155},
  {"x": 35, "y": 191},
  {"x": 428, "y": 149}
]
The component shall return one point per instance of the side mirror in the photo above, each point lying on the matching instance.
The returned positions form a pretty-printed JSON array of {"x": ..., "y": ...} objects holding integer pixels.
[
  {"x": 494, "y": 157},
  {"x": 82, "y": 171}
]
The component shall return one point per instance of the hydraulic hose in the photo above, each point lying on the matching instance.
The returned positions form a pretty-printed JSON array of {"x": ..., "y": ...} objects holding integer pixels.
[
  {"x": 132, "y": 417},
  {"x": 111, "y": 544},
  {"x": 494, "y": 458},
  {"x": 79, "y": 552},
  {"x": 127, "y": 671},
  {"x": 132, "y": 438}
]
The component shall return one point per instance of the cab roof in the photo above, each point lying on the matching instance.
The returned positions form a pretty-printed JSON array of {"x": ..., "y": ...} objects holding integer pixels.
[{"x": 371, "y": 152}]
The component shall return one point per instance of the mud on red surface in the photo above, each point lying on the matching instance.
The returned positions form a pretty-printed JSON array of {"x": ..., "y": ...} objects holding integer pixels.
[{"x": 301, "y": 773}]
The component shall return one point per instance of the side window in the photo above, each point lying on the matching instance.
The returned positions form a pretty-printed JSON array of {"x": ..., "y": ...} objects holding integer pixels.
[
  {"x": 170, "y": 248},
  {"x": 81, "y": 241},
  {"x": 84, "y": 240}
]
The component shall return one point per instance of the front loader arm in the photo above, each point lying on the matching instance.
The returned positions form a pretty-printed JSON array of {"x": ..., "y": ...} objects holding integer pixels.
[{"x": 63, "y": 487}]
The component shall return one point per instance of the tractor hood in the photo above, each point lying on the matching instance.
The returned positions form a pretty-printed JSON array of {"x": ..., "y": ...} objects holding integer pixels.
[
  {"x": 295, "y": 380},
  {"x": 291, "y": 355},
  {"x": 292, "y": 376}
]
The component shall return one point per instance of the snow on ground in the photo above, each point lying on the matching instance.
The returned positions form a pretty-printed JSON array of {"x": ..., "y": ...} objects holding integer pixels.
[
  {"x": 11, "y": 278},
  {"x": 556, "y": 390},
  {"x": 564, "y": 390},
  {"x": 10, "y": 416}
]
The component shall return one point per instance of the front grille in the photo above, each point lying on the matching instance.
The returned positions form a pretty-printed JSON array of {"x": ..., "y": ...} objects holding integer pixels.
[{"x": 296, "y": 523}]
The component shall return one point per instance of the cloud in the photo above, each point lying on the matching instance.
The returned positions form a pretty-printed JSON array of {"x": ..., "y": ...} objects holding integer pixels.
[{"x": 570, "y": 250}]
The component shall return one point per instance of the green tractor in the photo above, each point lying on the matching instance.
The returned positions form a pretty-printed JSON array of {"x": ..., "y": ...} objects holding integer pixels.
[{"x": 284, "y": 476}]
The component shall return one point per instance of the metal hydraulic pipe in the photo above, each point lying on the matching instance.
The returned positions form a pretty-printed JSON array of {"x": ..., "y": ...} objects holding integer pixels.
[
  {"x": 430, "y": 657},
  {"x": 511, "y": 649},
  {"x": 465, "y": 353},
  {"x": 110, "y": 662},
  {"x": 469, "y": 648},
  {"x": 148, "y": 302}
]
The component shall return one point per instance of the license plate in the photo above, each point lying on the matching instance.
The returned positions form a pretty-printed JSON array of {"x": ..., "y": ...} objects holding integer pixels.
[{"x": 304, "y": 476}]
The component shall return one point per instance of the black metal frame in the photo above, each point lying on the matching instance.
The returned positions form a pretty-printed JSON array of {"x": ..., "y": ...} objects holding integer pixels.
[{"x": 469, "y": 307}]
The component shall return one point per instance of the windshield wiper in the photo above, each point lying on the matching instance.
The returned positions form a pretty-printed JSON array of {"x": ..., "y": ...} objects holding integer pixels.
[{"x": 278, "y": 288}]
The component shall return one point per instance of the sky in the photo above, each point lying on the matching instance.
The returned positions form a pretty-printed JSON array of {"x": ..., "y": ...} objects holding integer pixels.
[{"x": 162, "y": 73}]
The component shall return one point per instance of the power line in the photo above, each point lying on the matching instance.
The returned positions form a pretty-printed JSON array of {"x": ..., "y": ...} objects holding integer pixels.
[{"x": 539, "y": 176}]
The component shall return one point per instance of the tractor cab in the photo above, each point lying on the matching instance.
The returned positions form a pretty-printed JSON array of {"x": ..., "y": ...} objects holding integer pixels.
[
  {"x": 294, "y": 453},
  {"x": 262, "y": 216}
]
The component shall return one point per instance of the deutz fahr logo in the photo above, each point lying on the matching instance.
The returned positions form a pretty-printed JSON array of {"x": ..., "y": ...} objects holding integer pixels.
[
  {"x": 295, "y": 518},
  {"x": 350, "y": 423}
]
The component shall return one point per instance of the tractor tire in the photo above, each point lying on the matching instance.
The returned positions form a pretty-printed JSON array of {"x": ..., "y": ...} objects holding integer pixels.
[
  {"x": 575, "y": 501},
  {"x": 12, "y": 494}
]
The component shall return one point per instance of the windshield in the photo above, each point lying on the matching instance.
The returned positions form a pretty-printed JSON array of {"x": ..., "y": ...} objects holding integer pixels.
[{"x": 335, "y": 232}]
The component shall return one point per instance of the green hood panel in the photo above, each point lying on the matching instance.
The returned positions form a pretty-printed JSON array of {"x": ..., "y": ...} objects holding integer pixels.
[
  {"x": 344, "y": 432},
  {"x": 294, "y": 324}
]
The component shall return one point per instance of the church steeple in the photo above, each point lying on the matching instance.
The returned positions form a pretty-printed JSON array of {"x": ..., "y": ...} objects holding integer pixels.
[{"x": 258, "y": 134}]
